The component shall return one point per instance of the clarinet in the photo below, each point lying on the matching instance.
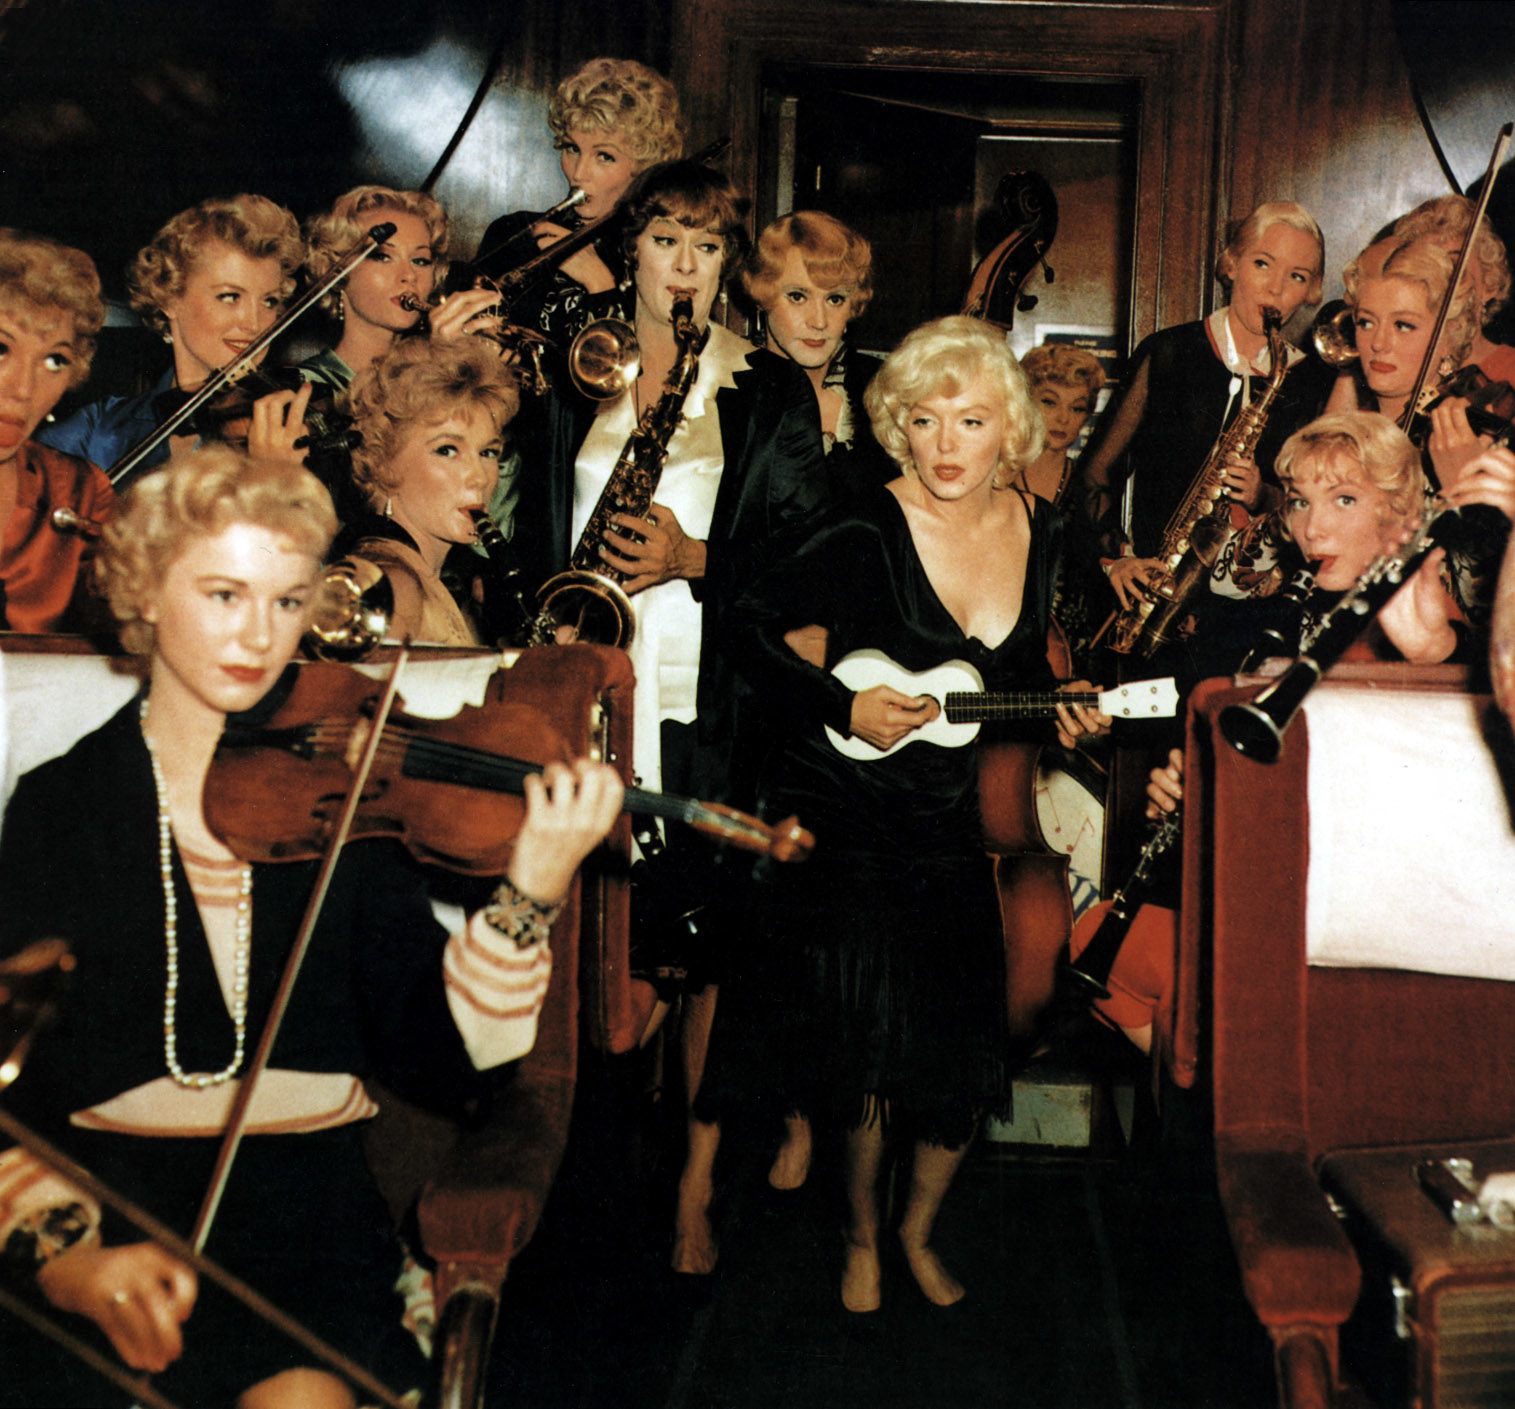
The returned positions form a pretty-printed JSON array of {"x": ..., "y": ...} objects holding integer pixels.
[
  {"x": 1092, "y": 967},
  {"x": 509, "y": 610},
  {"x": 1256, "y": 728}
]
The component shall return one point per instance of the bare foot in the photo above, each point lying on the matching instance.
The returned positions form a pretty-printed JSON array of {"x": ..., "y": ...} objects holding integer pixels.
[
  {"x": 695, "y": 1249},
  {"x": 791, "y": 1166},
  {"x": 862, "y": 1278},
  {"x": 937, "y": 1284}
]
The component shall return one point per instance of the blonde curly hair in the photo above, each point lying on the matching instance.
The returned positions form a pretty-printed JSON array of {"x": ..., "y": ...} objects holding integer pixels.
[
  {"x": 1421, "y": 261},
  {"x": 629, "y": 99},
  {"x": 1446, "y": 220},
  {"x": 252, "y": 225},
  {"x": 332, "y": 234},
  {"x": 421, "y": 383},
  {"x": 1064, "y": 366},
  {"x": 39, "y": 276},
  {"x": 201, "y": 491},
  {"x": 939, "y": 359},
  {"x": 1383, "y": 453}
]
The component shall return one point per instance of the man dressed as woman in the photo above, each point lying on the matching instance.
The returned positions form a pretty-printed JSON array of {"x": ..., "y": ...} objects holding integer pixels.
[
  {"x": 882, "y": 992},
  {"x": 744, "y": 465}
]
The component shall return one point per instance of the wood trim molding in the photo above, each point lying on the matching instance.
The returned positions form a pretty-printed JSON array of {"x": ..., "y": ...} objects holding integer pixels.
[{"x": 1174, "y": 52}]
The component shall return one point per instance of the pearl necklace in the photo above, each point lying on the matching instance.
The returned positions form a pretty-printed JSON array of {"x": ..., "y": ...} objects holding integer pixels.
[{"x": 241, "y": 952}]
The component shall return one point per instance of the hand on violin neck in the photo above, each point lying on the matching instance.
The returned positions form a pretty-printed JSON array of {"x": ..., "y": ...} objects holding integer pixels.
[
  {"x": 568, "y": 813},
  {"x": 1453, "y": 444}
]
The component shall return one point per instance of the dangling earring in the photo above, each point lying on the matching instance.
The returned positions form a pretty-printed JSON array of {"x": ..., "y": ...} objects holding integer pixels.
[
  {"x": 389, "y": 504},
  {"x": 339, "y": 310}
]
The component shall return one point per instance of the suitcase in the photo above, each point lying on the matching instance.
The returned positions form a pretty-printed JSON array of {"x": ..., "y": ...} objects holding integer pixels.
[{"x": 1434, "y": 1327}]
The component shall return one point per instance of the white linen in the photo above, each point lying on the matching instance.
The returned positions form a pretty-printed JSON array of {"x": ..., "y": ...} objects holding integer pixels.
[{"x": 1412, "y": 853}]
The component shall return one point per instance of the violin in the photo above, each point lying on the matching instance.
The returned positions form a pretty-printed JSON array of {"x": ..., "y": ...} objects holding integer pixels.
[
  {"x": 1491, "y": 405},
  {"x": 448, "y": 789},
  {"x": 228, "y": 416}
]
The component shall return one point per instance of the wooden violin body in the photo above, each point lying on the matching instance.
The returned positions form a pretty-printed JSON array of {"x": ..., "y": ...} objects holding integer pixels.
[{"x": 449, "y": 789}]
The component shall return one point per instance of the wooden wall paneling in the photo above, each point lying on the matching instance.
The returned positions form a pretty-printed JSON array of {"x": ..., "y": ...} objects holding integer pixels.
[
  {"x": 1175, "y": 52},
  {"x": 1325, "y": 115}
]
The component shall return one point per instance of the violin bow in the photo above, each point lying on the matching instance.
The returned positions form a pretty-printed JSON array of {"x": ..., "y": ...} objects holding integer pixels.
[
  {"x": 236, "y": 1124},
  {"x": 1412, "y": 406},
  {"x": 223, "y": 378}
]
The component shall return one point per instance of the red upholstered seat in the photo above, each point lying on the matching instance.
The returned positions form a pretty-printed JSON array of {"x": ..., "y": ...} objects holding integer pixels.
[{"x": 1310, "y": 1060}]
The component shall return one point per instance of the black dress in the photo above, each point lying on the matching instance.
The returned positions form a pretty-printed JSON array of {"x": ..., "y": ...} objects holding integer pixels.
[
  {"x": 876, "y": 969},
  {"x": 302, "y": 1221}
]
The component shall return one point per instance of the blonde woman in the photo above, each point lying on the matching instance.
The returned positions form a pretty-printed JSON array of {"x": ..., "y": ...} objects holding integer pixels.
[
  {"x": 885, "y": 1001},
  {"x": 210, "y": 281},
  {"x": 209, "y": 569},
  {"x": 610, "y": 119},
  {"x": 50, "y": 312},
  {"x": 432, "y": 418}
]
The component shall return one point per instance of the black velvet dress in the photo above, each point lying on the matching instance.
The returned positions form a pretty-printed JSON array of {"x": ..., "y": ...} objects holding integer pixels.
[{"x": 875, "y": 971}]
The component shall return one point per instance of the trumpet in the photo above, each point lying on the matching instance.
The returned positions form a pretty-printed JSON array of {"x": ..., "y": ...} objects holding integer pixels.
[
  {"x": 354, "y": 604},
  {"x": 603, "y": 360},
  {"x": 1332, "y": 334}
]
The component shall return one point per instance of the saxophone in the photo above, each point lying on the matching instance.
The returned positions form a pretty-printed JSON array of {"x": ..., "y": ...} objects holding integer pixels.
[
  {"x": 1201, "y": 525},
  {"x": 589, "y": 597}
]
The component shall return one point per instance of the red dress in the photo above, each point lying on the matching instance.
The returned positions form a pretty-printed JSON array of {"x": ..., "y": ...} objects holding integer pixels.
[{"x": 42, "y": 568}]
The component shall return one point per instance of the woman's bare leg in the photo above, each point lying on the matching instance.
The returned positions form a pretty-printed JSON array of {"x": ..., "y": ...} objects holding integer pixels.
[
  {"x": 791, "y": 1166},
  {"x": 930, "y": 1178},
  {"x": 862, "y": 1278},
  {"x": 694, "y": 1244}
]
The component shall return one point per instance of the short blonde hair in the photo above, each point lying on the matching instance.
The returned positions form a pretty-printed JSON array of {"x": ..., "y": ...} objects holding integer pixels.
[
  {"x": 421, "y": 383},
  {"x": 252, "y": 225},
  {"x": 1383, "y": 453},
  {"x": 835, "y": 258},
  {"x": 1257, "y": 224},
  {"x": 940, "y": 359},
  {"x": 353, "y": 214},
  {"x": 1446, "y": 220},
  {"x": 623, "y": 97},
  {"x": 201, "y": 491},
  {"x": 40, "y": 276},
  {"x": 1064, "y": 366}
]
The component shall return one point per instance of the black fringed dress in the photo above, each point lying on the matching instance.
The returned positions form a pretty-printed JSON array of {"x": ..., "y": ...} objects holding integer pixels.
[{"x": 875, "y": 971}]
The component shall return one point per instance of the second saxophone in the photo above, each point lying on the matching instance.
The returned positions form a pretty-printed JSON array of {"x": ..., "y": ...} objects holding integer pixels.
[{"x": 1201, "y": 525}]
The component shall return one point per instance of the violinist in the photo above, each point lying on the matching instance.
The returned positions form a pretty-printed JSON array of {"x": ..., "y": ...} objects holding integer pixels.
[
  {"x": 744, "y": 465},
  {"x": 1395, "y": 298},
  {"x": 1188, "y": 383},
  {"x": 50, "y": 312},
  {"x": 1445, "y": 222},
  {"x": 810, "y": 277},
  {"x": 212, "y": 279},
  {"x": 610, "y": 119},
  {"x": 432, "y": 418},
  {"x": 209, "y": 568}
]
